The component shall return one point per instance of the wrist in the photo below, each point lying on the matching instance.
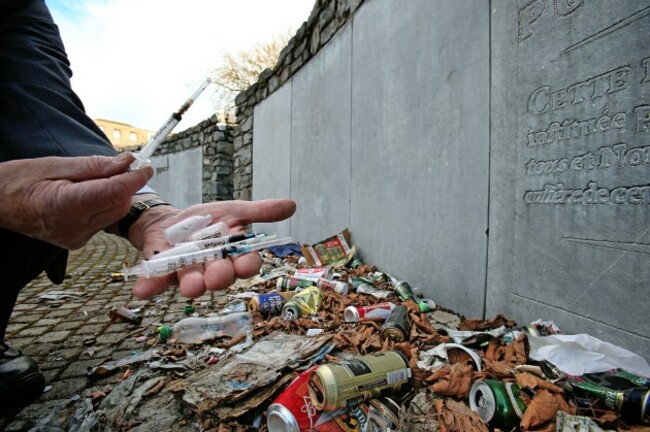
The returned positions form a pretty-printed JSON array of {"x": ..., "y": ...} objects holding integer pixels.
[{"x": 142, "y": 204}]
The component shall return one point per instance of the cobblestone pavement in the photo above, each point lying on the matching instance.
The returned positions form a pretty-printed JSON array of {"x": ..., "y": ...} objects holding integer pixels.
[{"x": 69, "y": 335}]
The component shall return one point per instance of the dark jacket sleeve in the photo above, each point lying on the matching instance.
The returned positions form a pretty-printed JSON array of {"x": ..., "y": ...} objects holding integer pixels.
[{"x": 40, "y": 116}]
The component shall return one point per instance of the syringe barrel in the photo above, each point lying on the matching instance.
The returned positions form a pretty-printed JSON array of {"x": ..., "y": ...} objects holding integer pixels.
[{"x": 166, "y": 265}]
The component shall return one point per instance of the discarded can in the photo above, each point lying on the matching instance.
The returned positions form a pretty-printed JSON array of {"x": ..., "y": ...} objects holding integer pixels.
[
  {"x": 121, "y": 313},
  {"x": 313, "y": 273},
  {"x": 354, "y": 263},
  {"x": 398, "y": 325},
  {"x": 304, "y": 303},
  {"x": 376, "y": 312},
  {"x": 364, "y": 288},
  {"x": 497, "y": 403},
  {"x": 332, "y": 285},
  {"x": 426, "y": 305},
  {"x": 337, "y": 385},
  {"x": 383, "y": 415},
  {"x": 290, "y": 284},
  {"x": 293, "y": 411},
  {"x": 404, "y": 291},
  {"x": 117, "y": 277},
  {"x": 270, "y": 303},
  {"x": 625, "y": 393}
]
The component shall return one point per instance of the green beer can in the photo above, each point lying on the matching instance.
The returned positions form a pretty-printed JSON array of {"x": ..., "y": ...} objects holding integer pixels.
[{"x": 497, "y": 403}]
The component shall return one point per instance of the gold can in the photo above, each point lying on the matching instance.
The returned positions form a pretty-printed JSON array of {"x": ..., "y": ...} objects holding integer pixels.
[{"x": 334, "y": 386}]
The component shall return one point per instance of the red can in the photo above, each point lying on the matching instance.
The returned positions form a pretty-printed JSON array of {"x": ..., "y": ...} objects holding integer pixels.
[
  {"x": 293, "y": 411},
  {"x": 313, "y": 273},
  {"x": 333, "y": 285},
  {"x": 376, "y": 312}
]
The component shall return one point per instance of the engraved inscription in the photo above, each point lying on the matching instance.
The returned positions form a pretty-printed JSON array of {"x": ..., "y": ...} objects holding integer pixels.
[
  {"x": 615, "y": 156},
  {"x": 571, "y": 129},
  {"x": 546, "y": 100},
  {"x": 566, "y": 7},
  {"x": 543, "y": 99},
  {"x": 528, "y": 15},
  {"x": 593, "y": 194},
  {"x": 642, "y": 118}
]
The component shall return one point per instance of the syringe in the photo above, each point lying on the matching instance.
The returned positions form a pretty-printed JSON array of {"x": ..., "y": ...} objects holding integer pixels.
[
  {"x": 166, "y": 265},
  {"x": 142, "y": 157},
  {"x": 234, "y": 239}
]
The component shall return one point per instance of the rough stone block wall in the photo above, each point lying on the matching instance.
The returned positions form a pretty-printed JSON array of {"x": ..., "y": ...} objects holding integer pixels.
[{"x": 216, "y": 141}]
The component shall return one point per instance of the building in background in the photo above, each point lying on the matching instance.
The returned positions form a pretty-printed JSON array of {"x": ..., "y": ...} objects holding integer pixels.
[{"x": 123, "y": 135}]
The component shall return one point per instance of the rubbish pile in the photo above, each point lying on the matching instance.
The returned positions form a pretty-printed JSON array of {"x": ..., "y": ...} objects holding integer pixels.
[{"x": 320, "y": 341}]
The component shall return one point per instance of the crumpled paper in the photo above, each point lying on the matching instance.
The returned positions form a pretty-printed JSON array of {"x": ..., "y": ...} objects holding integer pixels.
[{"x": 580, "y": 354}]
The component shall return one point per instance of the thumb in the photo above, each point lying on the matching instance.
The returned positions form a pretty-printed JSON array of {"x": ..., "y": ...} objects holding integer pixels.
[{"x": 82, "y": 168}]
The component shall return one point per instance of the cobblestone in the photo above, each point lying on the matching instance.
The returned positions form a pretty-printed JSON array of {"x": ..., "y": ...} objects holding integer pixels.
[{"x": 54, "y": 333}]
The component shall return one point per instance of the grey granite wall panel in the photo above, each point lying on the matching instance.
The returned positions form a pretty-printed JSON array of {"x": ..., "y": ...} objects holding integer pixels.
[
  {"x": 272, "y": 156},
  {"x": 420, "y": 116},
  {"x": 530, "y": 118},
  {"x": 320, "y": 154},
  {"x": 580, "y": 130},
  {"x": 178, "y": 178}
]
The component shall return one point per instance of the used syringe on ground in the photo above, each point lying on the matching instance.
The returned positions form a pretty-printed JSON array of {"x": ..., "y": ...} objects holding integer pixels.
[
  {"x": 142, "y": 157},
  {"x": 166, "y": 265}
]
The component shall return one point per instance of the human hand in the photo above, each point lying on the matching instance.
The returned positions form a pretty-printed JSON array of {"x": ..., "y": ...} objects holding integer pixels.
[
  {"x": 147, "y": 234},
  {"x": 67, "y": 200}
]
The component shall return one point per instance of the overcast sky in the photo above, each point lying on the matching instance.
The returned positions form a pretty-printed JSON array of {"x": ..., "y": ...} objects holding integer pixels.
[{"x": 137, "y": 61}]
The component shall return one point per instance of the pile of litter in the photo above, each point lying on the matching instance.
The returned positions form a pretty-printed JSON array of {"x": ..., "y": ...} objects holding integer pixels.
[{"x": 321, "y": 341}]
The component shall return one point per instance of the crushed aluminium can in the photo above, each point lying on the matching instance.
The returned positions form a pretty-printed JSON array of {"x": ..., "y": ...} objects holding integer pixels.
[
  {"x": 398, "y": 325},
  {"x": 383, "y": 415},
  {"x": 404, "y": 291},
  {"x": 293, "y": 411},
  {"x": 305, "y": 303},
  {"x": 497, "y": 403},
  {"x": 313, "y": 273},
  {"x": 624, "y": 392},
  {"x": 120, "y": 313},
  {"x": 333, "y": 285},
  {"x": 375, "y": 312},
  {"x": 290, "y": 284},
  {"x": 338, "y": 385}
]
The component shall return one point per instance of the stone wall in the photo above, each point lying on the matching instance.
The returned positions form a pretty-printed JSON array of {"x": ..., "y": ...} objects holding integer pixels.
[
  {"x": 494, "y": 154},
  {"x": 215, "y": 142},
  {"x": 327, "y": 17}
]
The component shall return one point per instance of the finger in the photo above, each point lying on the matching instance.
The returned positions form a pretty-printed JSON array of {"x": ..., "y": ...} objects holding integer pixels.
[
  {"x": 247, "y": 265},
  {"x": 145, "y": 288},
  {"x": 191, "y": 283},
  {"x": 108, "y": 199},
  {"x": 219, "y": 275},
  {"x": 83, "y": 168},
  {"x": 246, "y": 212}
]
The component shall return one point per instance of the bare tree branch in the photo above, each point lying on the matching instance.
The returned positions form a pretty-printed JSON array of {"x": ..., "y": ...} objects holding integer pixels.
[{"x": 240, "y": 70}]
